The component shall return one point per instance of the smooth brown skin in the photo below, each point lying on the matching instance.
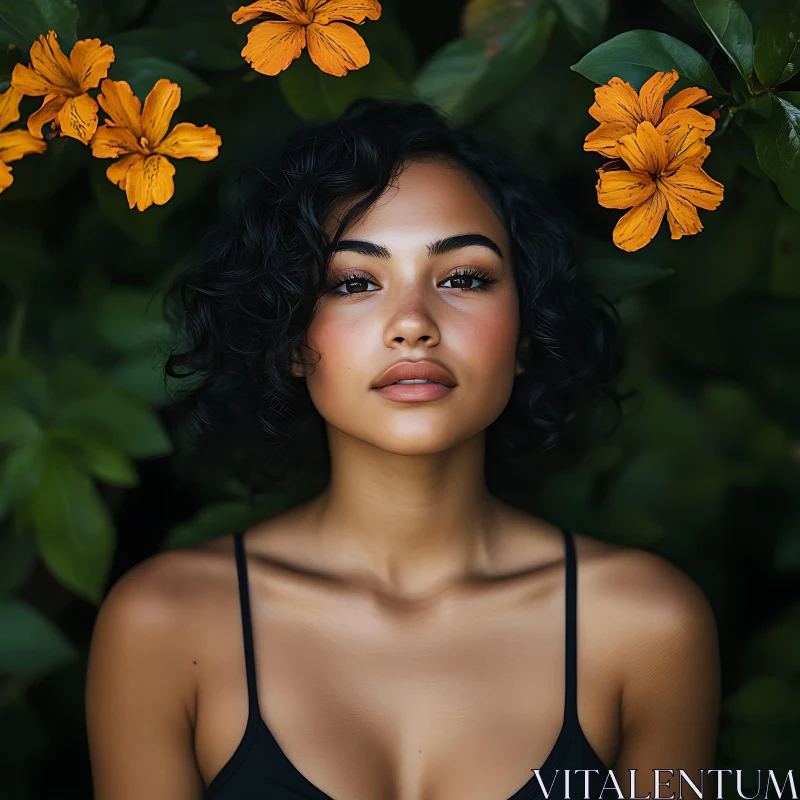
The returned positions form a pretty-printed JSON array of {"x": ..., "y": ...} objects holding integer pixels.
[{"x": 409, "y": 628}]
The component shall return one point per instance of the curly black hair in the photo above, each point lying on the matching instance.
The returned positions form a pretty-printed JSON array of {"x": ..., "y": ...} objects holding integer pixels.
[{"x": 243, "y": 307}]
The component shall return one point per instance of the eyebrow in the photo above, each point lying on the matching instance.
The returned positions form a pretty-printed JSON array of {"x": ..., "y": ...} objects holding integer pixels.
[{"x": 439, "y": 247}]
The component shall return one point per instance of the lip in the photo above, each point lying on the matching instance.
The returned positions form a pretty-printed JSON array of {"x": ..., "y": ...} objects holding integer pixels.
[{"x": 415, "y": 392}]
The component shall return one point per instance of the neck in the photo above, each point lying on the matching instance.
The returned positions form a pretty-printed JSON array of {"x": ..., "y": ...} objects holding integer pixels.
[{"x": 410, "y": 523}]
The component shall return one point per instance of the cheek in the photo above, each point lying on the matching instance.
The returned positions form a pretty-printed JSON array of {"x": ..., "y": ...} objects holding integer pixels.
[
  {"x": 486, "y": 345},
  {"x": 343, "y": 357}
]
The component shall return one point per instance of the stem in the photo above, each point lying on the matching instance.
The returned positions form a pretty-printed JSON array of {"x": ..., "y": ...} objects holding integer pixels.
[{"x": 15, "y": 327}]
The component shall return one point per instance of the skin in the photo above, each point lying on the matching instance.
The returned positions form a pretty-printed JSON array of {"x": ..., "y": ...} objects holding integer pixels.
[{"x": 408, "y": 626}]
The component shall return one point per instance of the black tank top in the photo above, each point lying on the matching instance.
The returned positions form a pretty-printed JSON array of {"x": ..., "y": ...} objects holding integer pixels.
[{"x": 259, "y": 769}]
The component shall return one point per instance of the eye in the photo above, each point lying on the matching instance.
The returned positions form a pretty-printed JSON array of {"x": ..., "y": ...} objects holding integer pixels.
[
  {"x": 354, "y": 281},
  {"x": 466, "y": 279}
]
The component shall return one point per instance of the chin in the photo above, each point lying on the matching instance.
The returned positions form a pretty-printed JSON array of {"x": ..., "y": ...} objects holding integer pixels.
[{"x": 420, "y": 440}]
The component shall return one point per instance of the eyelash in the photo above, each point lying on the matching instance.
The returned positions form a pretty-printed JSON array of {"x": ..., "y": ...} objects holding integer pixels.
[{"x": 356, "y": 276}]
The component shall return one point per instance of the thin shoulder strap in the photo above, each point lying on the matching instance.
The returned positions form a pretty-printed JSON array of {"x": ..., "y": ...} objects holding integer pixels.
[
  {"x": 571, "y": 633},
  {"x": 247, "y": 625}
]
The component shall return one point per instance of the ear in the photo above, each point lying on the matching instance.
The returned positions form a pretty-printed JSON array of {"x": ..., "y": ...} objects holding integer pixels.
[{"x": 297, "y": 367}]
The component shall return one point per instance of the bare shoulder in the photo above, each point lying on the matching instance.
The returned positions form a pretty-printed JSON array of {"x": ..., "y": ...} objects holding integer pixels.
[
  {"x": 141, "y": 677},
  {"x": 645, "y": 589},
  {"x": 162, "y": 605},
  {"x": 652, "y": 623},
  {"x": 150, "y": 595}
]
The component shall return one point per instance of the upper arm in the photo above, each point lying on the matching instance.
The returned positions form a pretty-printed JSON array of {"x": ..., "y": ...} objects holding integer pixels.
[
  {"x": 671, "y": 690},
  {"x": 137, "y": 692}
]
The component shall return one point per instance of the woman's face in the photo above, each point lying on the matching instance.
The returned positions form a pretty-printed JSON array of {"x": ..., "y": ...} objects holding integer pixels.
[{"x": 397, "y": 296}]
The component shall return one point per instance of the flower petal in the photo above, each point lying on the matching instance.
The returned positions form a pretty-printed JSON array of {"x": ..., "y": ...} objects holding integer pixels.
[
  {"x": 290, "y": 10},
  {"x": 694, "y": 185},
  {"x": 636, "y": 228},
  {"x": 336, "y": 48},
  {"x": 603, "y": 139},
  {"x": 620, "y": 188},
  {"x": 685, "y": 98},
  {"x": 30, "y": 82},
  {"x": 16, "y": 144},
  {"x": 681, "y": 214},
  {"x": 117, "y": 172},
  {"x": 159, "y": 106},
  {"x": 690, "y": 148},
  {"x": 9, "y": 106},
  {"x": 112, "y": 141},
  {"x": 186, "y": 140},
  {"x": 49, "y": 61},
  {"x": 684, "y": 132},
  {"x": 652, "y": 93},
  {"x": 121, "y": 104},
  {"x": 78, "y": 118},
  {"x": 149, "y": 181},
  {"x": 272, "y": 46},
  {"x": 356, "y": 11},
  {"x": 6, "y": 178},
  {"x": 47, "y": 112},
  {"x": 645, "y": 150},
  {"x": 616, "y": 101},
  {"x": 686, "y": 117},
  {"x": 90, "y": 61}
]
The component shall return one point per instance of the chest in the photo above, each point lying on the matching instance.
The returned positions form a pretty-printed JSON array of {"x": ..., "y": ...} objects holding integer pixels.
[{"x": 460, "y": 701}]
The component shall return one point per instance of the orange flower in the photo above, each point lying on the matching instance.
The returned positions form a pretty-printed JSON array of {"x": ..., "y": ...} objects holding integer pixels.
[
  {"x": 64, "y": 82},
  {"x": 333, "y": 46},
  {"x": 619, "y": 109},
  {"x": 140, "y": 136},
  {"x": 13, "y": 144},
  {"x": 664, "y": 175}
]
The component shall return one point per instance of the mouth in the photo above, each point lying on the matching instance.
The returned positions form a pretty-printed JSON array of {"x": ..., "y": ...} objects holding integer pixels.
[
  {"x": 410, "y": 391},
  {"x": 407, "y": 381}
]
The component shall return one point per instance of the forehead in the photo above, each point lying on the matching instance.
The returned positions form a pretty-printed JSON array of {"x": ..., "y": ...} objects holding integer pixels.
[{"x": 428, "y": 200}]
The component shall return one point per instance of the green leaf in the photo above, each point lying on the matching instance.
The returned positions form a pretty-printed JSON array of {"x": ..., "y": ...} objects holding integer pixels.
[
  {"x": 143, "y": 374},
  {"x": 124, "y": 13},
  {"x": 29, "y": 643},
  {"x": 731, "y": 29},
  {"x": 103, "y": 461},
  {"x": 223, "y": 518},
  {"x": 93, "y": 19},
  {"x": 144, "y": 227},
  {"x": 470, "y": 75},
  {"x": 313, "y": 94},
  {"x": 28, "y": 19},
  {"x": 586, "y": 18},
  {"x": 16, "y": 424},
  {"x": 24, "y": 384},
  {"x": 685, "y": 10},
  {"x": 129, "y": 319},
  {"x": 40, "y": 176},
  {"x": 784, "y": 276},
  {"x": 388, "y": 40},
  {"x": 199, "y": 46},
  {"x": 743, "y": 150},
  {"x": 20, "y": 473},
  {"x": 617, "y": 277},
  {"x": 119, "y": 418},
  {"x": 777, "y": 144},
  {"x": 777, "y": 51},
  {"x": 17, "y": 560},
  {"x": 141, "y": 70},
  {"x": 635, "y": 55},
  {"x": 73, "y": 527}
]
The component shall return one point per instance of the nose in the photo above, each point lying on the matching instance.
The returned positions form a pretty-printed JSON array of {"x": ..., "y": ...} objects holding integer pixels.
[{"x": 412, "y": 323}]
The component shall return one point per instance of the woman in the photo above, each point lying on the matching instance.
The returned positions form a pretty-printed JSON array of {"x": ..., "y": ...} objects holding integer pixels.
[{"x": 404, "y": 296}]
